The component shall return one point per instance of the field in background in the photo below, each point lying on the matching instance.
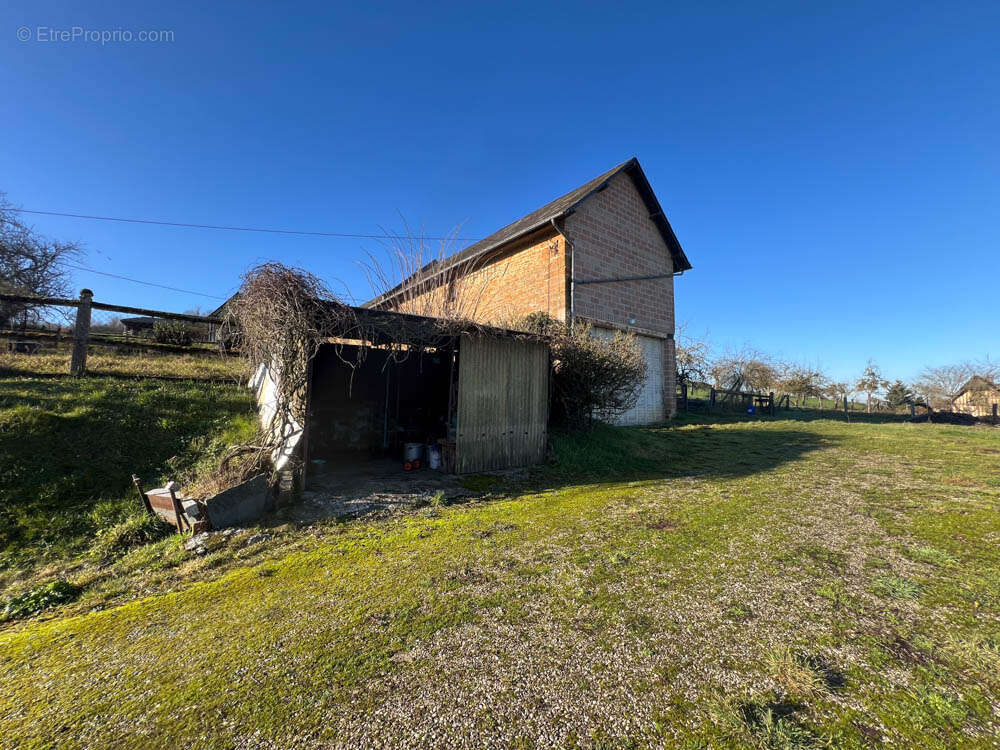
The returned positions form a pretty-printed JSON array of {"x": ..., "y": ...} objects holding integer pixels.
[
  {"x": 718, "y": 582},
  {"x": 40, "y": 333},
  {"x": 697, "y": 393}
]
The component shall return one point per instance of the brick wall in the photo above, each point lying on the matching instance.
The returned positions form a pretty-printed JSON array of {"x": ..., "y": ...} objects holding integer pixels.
[
  {"x": 529, "y": 276},
  {"x": 613, "y": 236}
]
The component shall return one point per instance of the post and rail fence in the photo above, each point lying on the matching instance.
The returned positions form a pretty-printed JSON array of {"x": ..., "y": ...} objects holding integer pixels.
[
  {"x": 710, "y": 399},
  {"x": 719, "y": 399},
  {"x": 150, "y": 342}
]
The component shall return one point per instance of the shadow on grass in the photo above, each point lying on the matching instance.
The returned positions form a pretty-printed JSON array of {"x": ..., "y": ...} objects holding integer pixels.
[
  {"x": 675, "y": 450},
  {"x": 606, "y": 455},
  {"x": 794, "y": 415}
]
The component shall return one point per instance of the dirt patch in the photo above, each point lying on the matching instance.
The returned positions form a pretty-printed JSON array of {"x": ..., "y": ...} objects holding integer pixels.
[
  {"x": 663, "y": 524},
  {"x": 498, "y": 528},
  {"x": 375, "y": 488},
  {"x": 903, "y": 651}
]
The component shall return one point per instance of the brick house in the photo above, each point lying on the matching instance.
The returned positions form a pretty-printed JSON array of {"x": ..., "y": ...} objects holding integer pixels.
[{"x": 603, "y": 253}]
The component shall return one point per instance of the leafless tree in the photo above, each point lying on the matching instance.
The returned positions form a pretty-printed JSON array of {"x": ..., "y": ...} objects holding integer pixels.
[
  {"x": 838, "y": 390},
  {"x": 412, "y": 275},
  {"x": 692, "y": 355},
  {"x": 803, "y": 382},
  {"x": 30, "y": 264},
  {"x": 870, "y": 383},
  {"x": 937, "y": 386},
  {"x": 746, "y": 369}
]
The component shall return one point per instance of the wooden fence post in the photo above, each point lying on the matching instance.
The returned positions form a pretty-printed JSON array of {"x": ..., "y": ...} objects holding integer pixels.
[
  {"x": 142, "y": 495},
  {"x": 81, "y": 334}
]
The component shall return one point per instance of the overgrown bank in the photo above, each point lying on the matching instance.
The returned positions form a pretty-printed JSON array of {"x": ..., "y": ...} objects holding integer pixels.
[{"x": 71, "y": 445}]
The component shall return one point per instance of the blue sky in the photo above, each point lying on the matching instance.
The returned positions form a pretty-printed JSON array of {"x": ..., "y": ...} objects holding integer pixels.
[{"x": 832, "y": 171}]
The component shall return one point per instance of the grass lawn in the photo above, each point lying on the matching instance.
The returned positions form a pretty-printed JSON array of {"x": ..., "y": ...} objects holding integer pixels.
[
  {"x": 71, "y": 445},
  {"x": 711, "y": 583}
]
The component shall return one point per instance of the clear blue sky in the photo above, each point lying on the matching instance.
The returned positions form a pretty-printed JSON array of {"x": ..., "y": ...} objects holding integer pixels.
[{"x": 833, "y": 173}]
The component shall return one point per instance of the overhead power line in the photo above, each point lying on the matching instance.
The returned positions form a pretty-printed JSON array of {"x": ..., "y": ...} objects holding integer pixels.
[
  {"x": 343, "y": 235},
  {"x": 140, "y": 281}
]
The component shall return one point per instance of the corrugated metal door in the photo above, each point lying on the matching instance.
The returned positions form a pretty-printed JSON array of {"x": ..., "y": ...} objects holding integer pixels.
[
  {"x": 649, "y": 408},
  {"x": 503, "y": 403}
]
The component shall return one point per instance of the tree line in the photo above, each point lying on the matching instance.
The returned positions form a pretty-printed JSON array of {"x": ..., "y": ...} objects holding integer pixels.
[{"x": 750, "y": 370}]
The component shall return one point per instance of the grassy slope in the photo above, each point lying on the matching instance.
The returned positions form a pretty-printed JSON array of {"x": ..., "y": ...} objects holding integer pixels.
[
  {"x": 207, "y": 365},
  {"x": 771, "y": 584},
  {"x": 70, "y": 446}
]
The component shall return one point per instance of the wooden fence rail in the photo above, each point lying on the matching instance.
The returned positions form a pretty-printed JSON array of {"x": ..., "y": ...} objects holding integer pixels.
[
  {"x": 61, "y": 302},
  {"x": 112, "y": 339},
  {"x": 82, "y": 336}
]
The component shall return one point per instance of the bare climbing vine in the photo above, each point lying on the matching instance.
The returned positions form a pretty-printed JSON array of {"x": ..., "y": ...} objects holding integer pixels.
[{"x": 278, "y": 320}]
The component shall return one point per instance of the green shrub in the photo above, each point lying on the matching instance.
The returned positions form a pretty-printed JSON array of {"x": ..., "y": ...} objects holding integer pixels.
[
  {"x": 133, "y": 532},
  {"x": 40, "y": 597}
]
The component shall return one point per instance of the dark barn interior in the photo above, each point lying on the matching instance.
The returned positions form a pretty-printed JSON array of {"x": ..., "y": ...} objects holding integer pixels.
[{"x": 370, "y": 406}]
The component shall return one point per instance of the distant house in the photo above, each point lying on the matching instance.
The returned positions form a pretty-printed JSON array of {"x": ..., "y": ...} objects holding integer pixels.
[
  {"x": 139, "y": 326},
  {"x": 603, "y": 253},
  {"x": 977, "y": 397}
]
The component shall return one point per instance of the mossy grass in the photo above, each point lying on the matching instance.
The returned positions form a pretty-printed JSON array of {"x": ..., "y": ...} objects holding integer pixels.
[{"x": 709, "y": 583}]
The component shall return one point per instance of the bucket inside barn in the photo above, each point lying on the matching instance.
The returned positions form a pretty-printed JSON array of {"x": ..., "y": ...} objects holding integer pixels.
[{"x": 413, "y": 452}]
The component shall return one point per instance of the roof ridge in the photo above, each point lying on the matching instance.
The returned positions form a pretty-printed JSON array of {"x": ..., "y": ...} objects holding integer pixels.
[{"x": 555, "y": 209}]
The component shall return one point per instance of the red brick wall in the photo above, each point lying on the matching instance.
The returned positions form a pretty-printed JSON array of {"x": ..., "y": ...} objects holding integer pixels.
[
  {"x": 530, "y": 276},
  {"x": 612, "y": 236}
]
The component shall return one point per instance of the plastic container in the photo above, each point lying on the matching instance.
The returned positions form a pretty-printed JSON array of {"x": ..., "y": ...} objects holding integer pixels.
[
  {"x": 434, "y": 456},
  {"x": 413, "y": 452}
]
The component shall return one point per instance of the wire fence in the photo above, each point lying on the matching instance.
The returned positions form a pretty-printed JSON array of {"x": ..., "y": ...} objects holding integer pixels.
[{"x": 52, "y": 336}]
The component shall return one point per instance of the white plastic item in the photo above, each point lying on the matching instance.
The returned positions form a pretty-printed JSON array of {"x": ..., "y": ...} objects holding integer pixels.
[
  {"x": 413, "y": 452},
  {"x": 434, "y": 456}
]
